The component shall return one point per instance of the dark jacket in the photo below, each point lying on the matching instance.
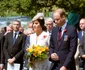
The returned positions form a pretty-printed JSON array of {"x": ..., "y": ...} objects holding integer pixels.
[
  {"x": 14, "y": 50},
  {"x": 1, "y": 48},
  {"x": 66, "y": 50}
]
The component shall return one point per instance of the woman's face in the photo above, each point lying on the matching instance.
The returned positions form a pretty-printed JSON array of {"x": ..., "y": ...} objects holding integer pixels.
[{"x": 36, "y": 26}]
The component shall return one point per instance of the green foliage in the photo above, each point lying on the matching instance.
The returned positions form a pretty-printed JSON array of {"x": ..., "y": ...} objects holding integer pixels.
[{"x": 31, "y": 7}]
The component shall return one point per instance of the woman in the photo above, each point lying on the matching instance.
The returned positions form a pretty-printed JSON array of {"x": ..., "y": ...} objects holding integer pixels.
[{"x": 40, "y": 37}]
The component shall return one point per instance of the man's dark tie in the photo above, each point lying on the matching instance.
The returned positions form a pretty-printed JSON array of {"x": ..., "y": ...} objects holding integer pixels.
[
  {"x": 14, "y": 39},
  {"x": 59, "y": 36}
]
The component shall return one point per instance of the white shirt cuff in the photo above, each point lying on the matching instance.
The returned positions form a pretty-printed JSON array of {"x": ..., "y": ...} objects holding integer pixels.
[{"x": 1, "y": 64}]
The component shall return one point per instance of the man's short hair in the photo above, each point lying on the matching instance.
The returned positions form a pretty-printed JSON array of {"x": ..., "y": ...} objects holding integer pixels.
[
  {"x": 49, "y": 19},
  {"x": 61, "y": 11},
  {"x": 16, "y": 20}
]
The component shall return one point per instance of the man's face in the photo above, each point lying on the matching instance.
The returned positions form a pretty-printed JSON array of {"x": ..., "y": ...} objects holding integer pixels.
[
  {"x": 30, "y": 25},
  {"x": 82, "y": 24},
  {"x": 49, "y": 25},
  {"x": 21, "y": 29},
  {"x": 58, "y": 19},
  {"x": 16, "y": 26},
  {"x": 9, "y": 29}
]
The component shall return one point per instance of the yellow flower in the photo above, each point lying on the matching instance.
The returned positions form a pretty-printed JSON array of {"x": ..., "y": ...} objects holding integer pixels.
[
  {"x": 46, "y": 48},
  {"x": 37, "y": 52},
  {"x": 42, "y": 49},
  {"x": 37, "y": 48},
  {"x": 34, "y": 54},
  {"x": 30, "y": 50}
]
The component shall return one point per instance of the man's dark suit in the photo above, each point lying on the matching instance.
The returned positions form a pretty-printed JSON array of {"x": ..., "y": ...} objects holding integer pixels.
[
  {"x": 82, "y": 49},
  {"x": 66, "y": 50},
  {"x": 1, "y": 48},
  {"x": 16, "y": 50}
]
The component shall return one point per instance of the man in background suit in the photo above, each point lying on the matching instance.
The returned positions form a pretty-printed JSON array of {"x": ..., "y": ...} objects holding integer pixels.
[
  {"x": 82, "y": 42},
  {"x": 14, "y": 45},
  {"x": 82, "y": 27},
  {"x": 1, "y": 51},
  {"x": 79, "y": 62},
  {"x": 62, "y": 50}
]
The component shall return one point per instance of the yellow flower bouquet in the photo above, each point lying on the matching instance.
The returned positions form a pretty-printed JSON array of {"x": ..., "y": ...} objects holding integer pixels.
[{"x": 36, "y": 53}]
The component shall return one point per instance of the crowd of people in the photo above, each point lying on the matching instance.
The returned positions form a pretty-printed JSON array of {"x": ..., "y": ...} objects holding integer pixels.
[{"x": 65, "y": 43}]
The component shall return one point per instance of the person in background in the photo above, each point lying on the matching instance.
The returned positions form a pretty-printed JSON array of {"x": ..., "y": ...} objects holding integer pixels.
[
  {"x": 79, "y": 63},
  {"x": 28, "y": 32},
  {"x": 63, "y": 43},
  {"x": 14, "y": 45},
  {"x": 82, "y": 27},
  {"x": 21, "y": 29},
  {"x": 82, "y": 43},
  {"x": 49, "y": 25},
  {"x": 30, "y": 25},
  {"x": 2, "y": 30},
  {"x": 8, "y": 29},
  {"x": 1, "y": 50}
]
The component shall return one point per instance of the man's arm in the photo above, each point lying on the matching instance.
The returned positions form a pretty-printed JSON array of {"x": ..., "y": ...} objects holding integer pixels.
[
  {"x": 51, "y": 48},
  {"x": 81, "y": 49},
  {"x": 2, "y": 54},
  {"x": 52, "y": 55},
  {"x": 5, "y": 47},
  {"x": 1, "y": 66},
  {"x": 73, "y": 47}
]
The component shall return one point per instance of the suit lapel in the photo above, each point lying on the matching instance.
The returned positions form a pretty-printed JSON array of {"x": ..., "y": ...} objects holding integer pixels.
[{"x": 11, "y": 38}]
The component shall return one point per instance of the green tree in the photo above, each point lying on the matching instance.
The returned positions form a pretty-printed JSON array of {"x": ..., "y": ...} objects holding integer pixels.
[{"x": 31, "y": 7}]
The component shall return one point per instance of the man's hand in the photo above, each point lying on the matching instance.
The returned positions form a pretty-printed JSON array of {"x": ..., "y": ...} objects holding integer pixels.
[
  {"x": 1, "y": 67},
  {"x": 83, "y": 56},
  {"x": 11, "y": 61},
  {"x": 54, "y": 57},
  {"x": 63, "y": 68}
]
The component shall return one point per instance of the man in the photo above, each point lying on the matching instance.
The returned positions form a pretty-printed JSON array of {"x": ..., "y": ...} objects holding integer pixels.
[
  {"x": 21, "y": 29},
  {"x": 14, "y": 45},
  {"x": 82, "y": 27},
  {"x": 79, "y": 61},
  {"x": 8, "y": 29},
  {"x": 82, "y": 42},
  {"x": 49, "y": 25},
  {"x": 63, "y": 43},
  {"x": 29, "y": 31},
  {"x": 1, "y": 51},
  {"x": 30, "y": 25}
]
